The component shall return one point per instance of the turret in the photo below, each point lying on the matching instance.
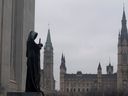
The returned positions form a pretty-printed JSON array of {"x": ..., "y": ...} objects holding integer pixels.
[
  {"x": 99, "y": 78},
  {"x": 62, "y": 66},
  {"x": 99, "y": 69},
  {"x": 109, "y": 68},
  {"x": 62, "y": 73},
  {"x": 49, "y": 82}
]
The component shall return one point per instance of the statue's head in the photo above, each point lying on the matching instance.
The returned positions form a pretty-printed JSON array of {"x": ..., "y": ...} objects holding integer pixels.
[{"x": 32, "y": 35}]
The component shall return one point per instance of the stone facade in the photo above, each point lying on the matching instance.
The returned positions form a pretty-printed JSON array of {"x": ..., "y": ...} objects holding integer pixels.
[
  {"x": 16, "y": 21},
  {"x": 108, "y": 84},
  {"x": 80, "y": 84},
  {"x": 47, "y": 79}
]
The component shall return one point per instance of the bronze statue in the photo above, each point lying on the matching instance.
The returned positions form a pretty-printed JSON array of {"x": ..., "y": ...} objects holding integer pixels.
[{"x": 33, "y": 63}]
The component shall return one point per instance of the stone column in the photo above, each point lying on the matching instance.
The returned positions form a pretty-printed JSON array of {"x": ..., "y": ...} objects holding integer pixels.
[
  {"x": 5, "y": 42},
  {"x": 16, "y": 21}
]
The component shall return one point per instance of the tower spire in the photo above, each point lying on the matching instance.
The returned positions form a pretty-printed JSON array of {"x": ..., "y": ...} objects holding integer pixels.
[
  {"x": 63, "y": 62},
  {"x": 48, "y": 36},
  {"x": 48, "y": 40},
  {"x": 124, "y": 34},
  {"x": 99, "y": 69},
  {"x": 124, "y": 16}
]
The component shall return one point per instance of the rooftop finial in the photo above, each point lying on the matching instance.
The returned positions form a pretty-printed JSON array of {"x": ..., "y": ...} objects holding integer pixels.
[
  {"x": 109, "y": 61},
  {"x": 123, "y": 6}
]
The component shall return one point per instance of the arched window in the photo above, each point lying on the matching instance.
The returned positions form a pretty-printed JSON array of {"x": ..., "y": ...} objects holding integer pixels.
[
  {"x": 74, "y": 84},
  {"x": 124, "y": 58},
  {"x": 83, "y": 89},
  {"x": 87, "y": 84},
  {"x": 124, "y": 84},
  {"x": 71, "y": 90},
  {"x": 74, "y": 90},
  {"x": 78, "y": 89},
  {"x": 67, "y": 89},
  {"x": 87, "y": 89}
]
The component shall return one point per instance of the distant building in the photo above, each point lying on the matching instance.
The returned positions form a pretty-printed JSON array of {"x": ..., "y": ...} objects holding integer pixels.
[
  {"x": 109, "y": 84},
  {"x": 80, "y": 84},
  {"x": 47, "y": 79}
]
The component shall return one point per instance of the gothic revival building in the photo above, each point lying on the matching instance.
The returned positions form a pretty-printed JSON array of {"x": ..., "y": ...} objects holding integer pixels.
[
  {"x": 122, "y": 72},
  {"x": 80, "y": 84},
  {"x": 47, "y": 79}
]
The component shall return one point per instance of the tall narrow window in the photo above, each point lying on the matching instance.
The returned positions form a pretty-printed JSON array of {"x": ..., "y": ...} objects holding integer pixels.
[
  {"x": 74, "y": 90},
  {"x": 83, "y": 89},
  {"x": 78, "y": 89},
  {"x": 87, "y": 89},
  {"x": 67, "y": 90}
]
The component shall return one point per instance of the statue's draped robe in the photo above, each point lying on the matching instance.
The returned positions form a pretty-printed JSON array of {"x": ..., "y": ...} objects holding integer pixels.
[{"x": 33, "y": 64}]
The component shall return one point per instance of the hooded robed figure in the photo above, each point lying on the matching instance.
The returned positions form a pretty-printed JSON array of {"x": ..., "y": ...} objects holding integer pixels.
[{"x": 33, "y": 63}]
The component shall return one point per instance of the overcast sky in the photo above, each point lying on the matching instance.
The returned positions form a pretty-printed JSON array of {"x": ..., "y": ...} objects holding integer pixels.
[{"x": 86, "y": 31}]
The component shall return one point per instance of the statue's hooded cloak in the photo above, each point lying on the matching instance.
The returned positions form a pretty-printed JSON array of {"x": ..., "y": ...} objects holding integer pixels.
[{"x": 33, "y": 64}]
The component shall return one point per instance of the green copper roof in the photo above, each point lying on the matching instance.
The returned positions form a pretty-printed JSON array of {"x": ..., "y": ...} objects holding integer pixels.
[
  {"x": 48, "y": 36},
  {"x": 48, "y": 40}
]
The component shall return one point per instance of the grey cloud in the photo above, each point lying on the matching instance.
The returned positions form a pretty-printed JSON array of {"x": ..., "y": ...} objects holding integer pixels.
[{"x": 86, "y": 31}]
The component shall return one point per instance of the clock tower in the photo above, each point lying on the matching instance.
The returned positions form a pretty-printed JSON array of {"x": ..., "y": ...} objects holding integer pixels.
[
  {"x": 48, "y": 82},
  {"x": 122, "y": 71}
]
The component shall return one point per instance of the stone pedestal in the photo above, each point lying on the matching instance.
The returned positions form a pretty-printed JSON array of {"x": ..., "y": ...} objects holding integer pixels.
[
  {"x": 2, "y": 91},
  {"x": 24, "y": 94}
]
